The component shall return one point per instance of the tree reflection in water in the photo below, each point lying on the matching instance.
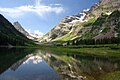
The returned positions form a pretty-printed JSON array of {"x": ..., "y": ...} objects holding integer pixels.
[
  {"x": 81, "y": 67},
  {"x": 27, "y": 64},
  {"x": 30, "y": 67}
]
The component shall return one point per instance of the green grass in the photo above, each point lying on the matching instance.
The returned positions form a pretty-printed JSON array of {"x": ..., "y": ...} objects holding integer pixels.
[
  {"x": 97, "y": 50},
  {"x": 64, "y": 58},
  {"x": 89, "y": 22},
  {"x": 67, "y": 37},
  {"x": 112, "y": 76}
]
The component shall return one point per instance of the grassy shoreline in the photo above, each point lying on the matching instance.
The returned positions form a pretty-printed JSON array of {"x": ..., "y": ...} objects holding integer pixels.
[
  {"x": 66, "y": 54},
  {"x": 110, "y": 50}
]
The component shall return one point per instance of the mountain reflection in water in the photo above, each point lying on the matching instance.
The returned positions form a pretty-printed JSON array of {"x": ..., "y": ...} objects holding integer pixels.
[
  {"x": 75, "y": 66},
  {"x": 31, "y": 67},
  {"x": 16, "y": 64}
]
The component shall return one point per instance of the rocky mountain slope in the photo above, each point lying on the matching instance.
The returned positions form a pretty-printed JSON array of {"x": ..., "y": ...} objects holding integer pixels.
[
  {"x": 20, "y": 28},
  {"x": 29, "y": 35},
  {"x": 9, "y": 35},
  {"x": 65, "y": 27},
  {"x": 106, "y": 26},
  {"x": 100, "y": 21}
]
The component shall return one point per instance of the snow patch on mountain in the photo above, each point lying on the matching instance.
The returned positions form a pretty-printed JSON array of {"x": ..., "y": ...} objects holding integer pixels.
[
  {"x": 28, "y": 33},
  {"x": 80, "y": 16},
  {"x": 35, "y": 33}
]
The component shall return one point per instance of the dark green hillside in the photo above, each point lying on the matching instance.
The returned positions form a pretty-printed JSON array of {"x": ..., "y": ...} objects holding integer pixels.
[{"x": 9, "y": 35}]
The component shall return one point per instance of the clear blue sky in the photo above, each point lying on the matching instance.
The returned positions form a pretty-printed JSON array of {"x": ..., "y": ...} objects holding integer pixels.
[{"x": 41, "y": 15}]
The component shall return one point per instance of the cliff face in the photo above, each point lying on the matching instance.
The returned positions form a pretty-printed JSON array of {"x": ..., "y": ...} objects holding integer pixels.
[
  {"x": 32, "y": 36},
  {"x": 20, "y": 29},
  {"x": 103, "y": 6},
  {"x": 100, "y": 21},
  {"x": 106, "y": 26}
]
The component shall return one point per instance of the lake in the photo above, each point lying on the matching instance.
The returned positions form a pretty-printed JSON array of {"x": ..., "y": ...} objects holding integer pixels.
[{"x": 36, "y": 64}]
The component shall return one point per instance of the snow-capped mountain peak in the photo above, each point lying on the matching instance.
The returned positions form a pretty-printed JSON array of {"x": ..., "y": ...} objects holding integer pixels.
[{"x": 77, "y": 18}]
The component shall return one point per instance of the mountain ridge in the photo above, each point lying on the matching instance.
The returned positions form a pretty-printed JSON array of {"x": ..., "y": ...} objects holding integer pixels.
[
  {"x": 28, "y": 34},
  {"x": 94, "y": 17},
  {"x": 9, "y": 35}
]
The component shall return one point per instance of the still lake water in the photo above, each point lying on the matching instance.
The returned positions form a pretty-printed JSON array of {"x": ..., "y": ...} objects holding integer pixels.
[{"x": 31, "y": 64}]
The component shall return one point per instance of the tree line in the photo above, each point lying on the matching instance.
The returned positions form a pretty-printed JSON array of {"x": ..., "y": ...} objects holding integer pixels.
[
  {"x": 113, "y": 40},
  {"x": 7, "y": 40}
]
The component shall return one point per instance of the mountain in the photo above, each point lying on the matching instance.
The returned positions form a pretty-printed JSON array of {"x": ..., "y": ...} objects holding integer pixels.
[
  {"x": 101, "y": 21},
  {"x": 35, "y": 36},
  {"x": 106, "y": 26},
  {"x": 9, "y": 36},
  {"x": 103, "y": 6},
  {"x": 18, "y": 26},
  {"x": 65, "y": 27},
  {"x": 29, "y": 35}
]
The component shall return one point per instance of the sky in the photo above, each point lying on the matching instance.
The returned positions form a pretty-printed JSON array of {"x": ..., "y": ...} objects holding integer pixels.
[{"x": 40, "y": 16}]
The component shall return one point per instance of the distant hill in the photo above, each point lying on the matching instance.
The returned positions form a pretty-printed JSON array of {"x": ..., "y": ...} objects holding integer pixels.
[{"x": 9, "y": 36}]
